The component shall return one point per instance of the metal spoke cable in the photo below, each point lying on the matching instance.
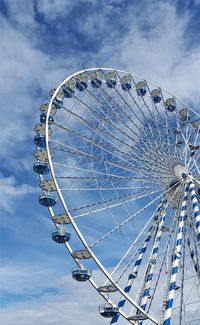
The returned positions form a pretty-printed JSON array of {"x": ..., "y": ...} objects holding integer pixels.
[
  {"x": 112, "y": 201},
  {"x": 129, "y": 148},
  {"x": 145, "y": 135},
  {"x": 128, "y": 219},
  {"x": 130, "y": 248}
]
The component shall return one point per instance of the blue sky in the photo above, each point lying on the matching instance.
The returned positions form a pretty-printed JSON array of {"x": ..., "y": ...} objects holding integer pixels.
[{"x": 41, "y": 43}]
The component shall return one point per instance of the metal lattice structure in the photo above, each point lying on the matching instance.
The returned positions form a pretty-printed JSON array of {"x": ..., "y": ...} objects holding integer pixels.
[{"x": 118, "y": 164}]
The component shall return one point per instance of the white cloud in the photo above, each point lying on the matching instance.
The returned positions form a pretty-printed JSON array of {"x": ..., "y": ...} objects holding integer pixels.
[
  {"x": 55, "y": 311},
  {"x": 25, "y": 70},
  {"x": 154, "y": 47},
  {"x": 47, "y": 307},
  {"x": 22, "y": 12},
  {"x": 11, "y": 191},
  {"x": 54, "y": 9}
]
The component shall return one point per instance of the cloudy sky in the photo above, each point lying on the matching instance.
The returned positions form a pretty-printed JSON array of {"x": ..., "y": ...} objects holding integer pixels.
[{"x": 42, "y": 42}]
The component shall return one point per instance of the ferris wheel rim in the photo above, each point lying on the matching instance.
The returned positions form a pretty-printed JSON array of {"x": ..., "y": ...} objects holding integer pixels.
[{"x": 98, "y": 263}]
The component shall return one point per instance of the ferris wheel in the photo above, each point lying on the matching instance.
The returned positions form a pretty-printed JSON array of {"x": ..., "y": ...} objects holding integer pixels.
[{"x": 118, "y": 163}]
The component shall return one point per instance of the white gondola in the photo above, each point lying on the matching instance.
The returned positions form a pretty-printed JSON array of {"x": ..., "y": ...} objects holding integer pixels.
[
  {"x": 141, "y": 88},
  {"x": 41, "y": 168},
  {"x": 170, "y": 104},
  {"x": 111, "y": 79},
  {"x": 61, "y": 236},
  {"x": 126, "y": 82},
  {"x": 156, "y": 95},
  {"x": 96, "y": 79},
  {"x": 81, "y": 81},
  {"x": 68, "y": 88},
  {"x": 81, "y": 274},
  {"x": 184, "y": 116},
  {"x": 47, "y": 200},
  {"x": 44, "y": 109},
  {"x": 196, "y": 125},
  {"x": 108, "y": 311},
  {"x": 58, "y": 100}
]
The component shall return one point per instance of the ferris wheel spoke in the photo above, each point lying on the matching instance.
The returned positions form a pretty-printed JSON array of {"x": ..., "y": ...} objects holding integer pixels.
[
  {"x": 93, "y": 128},
  {"x": 158, "y": 129},
  {"x": 91, "y": 141},
  {"x": 116, "y": 105},
  {"x": 196, "y": 168},
  {"x": 107, "y": 118},
  {"x": 149, "y": 234},
  {"x": 154, "y": 118},
  {"x": 114, "y": 137},
  {"x": 167, "y": 129},
  {"x": 145, "y": 134},
  {"x": 192, "y": 164},
  {"x": 72, "y": 150},
  {"x": 136, "y": 116},
  {"x": 116, "y": 176},
  {"x": 187, "y": 147},
  {"x": 114, "y": 202},
  {"x": 147, "y": 119},
  {"x": 165, "y": 163},
  {"x": 100, "y": 146},
  {"x": 153, "y": 130},
  {"x": 194, "y": 145},
  {"x": 127, "y": 220},
  {"x": 185, "y": 152},
  {"x": 154, "y": 216}
]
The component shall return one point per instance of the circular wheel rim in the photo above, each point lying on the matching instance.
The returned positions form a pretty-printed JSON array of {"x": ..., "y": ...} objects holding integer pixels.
[{"x": 73, "y": 223}]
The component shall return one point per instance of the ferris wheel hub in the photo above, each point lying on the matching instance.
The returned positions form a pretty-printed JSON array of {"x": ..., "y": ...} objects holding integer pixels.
[{"x": 181, "y": 172}]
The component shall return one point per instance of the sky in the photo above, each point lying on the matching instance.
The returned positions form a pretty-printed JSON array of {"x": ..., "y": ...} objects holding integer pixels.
[{"x": 42, "y": 42}]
